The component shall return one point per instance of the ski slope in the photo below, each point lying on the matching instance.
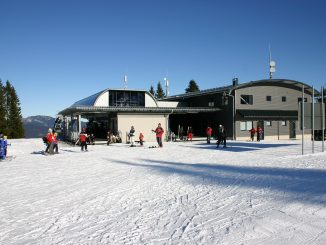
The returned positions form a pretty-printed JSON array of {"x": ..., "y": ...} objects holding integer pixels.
[{"x": 183, "y": 193}]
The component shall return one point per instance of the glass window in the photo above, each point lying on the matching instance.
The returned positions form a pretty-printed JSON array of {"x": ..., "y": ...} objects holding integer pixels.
[
  {"x": 268, "y": 123},
  {"x": 300, "y": 100},
  {"x": 268, "y": 98},
  {"x": 283, "y": 98},
  {"x": 127, "y": 98},
  {"x": 246, "y": 99},
  {"x": 283, "y": 123},
  {"x": 245, "y": 126}
]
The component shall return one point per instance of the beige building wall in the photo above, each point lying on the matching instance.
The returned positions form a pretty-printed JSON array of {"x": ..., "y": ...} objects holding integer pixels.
[
  {"x": 103, "y": 99},
  {"x": 143, "y": 123},
  {"x": 273, "y": 132},
  {"x": 167, "y": 103},
  {"x": 259, "y": 98},
  {"x": 149, "y": 101},
  {"x": 275, "y": 138}
]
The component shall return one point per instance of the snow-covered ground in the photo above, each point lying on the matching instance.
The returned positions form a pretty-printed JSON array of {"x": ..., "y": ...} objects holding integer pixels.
[{"x": 184, "y": 193}]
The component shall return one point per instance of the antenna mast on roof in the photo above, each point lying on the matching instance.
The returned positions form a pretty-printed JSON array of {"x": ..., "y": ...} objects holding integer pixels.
[
  {"x": 125, "y": 82},
  {"x": 166, "y": 81},
  {"x": 271, "y": 64}
]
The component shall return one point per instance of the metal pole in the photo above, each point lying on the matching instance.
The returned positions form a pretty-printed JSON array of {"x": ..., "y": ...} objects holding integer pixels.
[
  {"x": 233, "y": 117},
  {"x": 322, "y": 117},
  {"x": 235, "y": 110},
  {"x": 313, "y": 119},
  {"x": 302, "y": 119}
]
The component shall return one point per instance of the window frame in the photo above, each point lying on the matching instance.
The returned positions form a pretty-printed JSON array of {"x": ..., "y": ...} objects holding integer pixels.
[
  {"x": 246, "y": 99},
  {"x": 247, "y": 125}
]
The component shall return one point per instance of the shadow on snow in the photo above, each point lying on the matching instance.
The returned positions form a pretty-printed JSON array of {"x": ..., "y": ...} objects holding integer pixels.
[
  {"x": 303, "y": 185},
  {"x": 238, "y": 146}
]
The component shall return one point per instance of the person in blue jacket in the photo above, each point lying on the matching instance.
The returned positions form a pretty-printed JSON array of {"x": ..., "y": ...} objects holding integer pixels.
[{"x": 3, "y": 147}]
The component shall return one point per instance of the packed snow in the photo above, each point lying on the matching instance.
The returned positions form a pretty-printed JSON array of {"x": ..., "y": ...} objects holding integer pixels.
[{"x": 183, "y": 193}]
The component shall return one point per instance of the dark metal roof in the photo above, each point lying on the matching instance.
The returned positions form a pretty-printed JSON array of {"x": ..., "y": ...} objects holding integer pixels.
[
  {"x": 90, "y": 100},
  {"x": 228, "y": 89},
  {"x": 281, "y": 83},
  {"x": 199, "y": 93},
  {"x": 97, "y": 109},
  {"x": 267, "y": 115}
]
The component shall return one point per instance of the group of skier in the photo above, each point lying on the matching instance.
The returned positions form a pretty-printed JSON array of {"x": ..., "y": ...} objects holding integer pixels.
[
  {"x": 51, "y": 142},
  {"x": 111, "y": 138},
  {"x": 159, "y": 131},
  {"x": 184, "y": 135},
  {"x": 259, "y": 132},
  {"x": 221, "y": 135}
]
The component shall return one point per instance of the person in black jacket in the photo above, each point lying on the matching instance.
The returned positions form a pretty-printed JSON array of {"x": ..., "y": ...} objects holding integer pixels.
[
  {"x": 131, "y": 136},
  {"x": 221, "y": 136}
]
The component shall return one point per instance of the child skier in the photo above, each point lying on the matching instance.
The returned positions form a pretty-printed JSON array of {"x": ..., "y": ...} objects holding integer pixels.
[
  {"x": 141, "y": 139},
  {"x": 82, "y": 139}
]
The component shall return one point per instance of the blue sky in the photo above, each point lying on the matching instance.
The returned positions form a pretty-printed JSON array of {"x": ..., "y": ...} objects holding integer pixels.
[{"x": 57, "y": 52}]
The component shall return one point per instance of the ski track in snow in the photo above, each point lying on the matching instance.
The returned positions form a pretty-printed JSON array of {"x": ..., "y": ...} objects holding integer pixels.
[{"x": 184, "y": 193}]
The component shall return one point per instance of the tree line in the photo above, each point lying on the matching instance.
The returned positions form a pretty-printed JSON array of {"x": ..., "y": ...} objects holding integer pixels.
[
  {"x": 159, "y": 92},
  {"x": 11, "y": 120}
]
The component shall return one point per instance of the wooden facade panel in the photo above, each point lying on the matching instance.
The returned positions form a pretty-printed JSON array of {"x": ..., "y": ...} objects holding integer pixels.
[{"x": 261, "y": 92}]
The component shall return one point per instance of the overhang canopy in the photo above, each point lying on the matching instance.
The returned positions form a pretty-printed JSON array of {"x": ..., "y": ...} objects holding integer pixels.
[
  {"x": 267, "y": 115},
  {"x": 96, "y": 109}
]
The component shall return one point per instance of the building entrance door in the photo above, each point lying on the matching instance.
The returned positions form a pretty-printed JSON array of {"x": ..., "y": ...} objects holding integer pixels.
[{"x": 292, "y": 129}]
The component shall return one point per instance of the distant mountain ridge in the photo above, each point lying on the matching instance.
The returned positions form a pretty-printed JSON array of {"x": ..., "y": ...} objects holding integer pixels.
[{"x": 37, "y": 126}]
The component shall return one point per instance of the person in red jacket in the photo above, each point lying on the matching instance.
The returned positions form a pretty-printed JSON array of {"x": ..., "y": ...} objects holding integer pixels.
[
  {"x": 209, "y": 131},
  {"x": 189, "y": 133},
  {"x": 50, "y": 142},
  {"x": 141, "y": 139},
  {"x": 252, "y": 133},
  {"x": 259, "y": 133},
  {"x": 82, "y": 139},
  {"x": 159, "y": 132}
]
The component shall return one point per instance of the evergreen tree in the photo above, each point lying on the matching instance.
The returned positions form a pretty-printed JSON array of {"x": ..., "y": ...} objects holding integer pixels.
[
  {"x": 15, "y": 127},
  {"x": 159, "y": 91},
  {"x": 151, "y": 90},
  {"x": 192, "y": 87},
  {"x": 3, "y": 121}
]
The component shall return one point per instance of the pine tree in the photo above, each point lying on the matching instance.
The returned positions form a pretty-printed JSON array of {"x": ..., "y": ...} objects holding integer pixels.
[
  {"x": 3, "y": 121},
  {"x": 159, "y": 91},
  {"x": 14, "y": 117},
  {"x": 151, "y": 90},
  {"x": 192, "y": 87}
]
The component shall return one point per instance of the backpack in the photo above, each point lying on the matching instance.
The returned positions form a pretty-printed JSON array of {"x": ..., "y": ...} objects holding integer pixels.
[{"x": 45, "y": 140}]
